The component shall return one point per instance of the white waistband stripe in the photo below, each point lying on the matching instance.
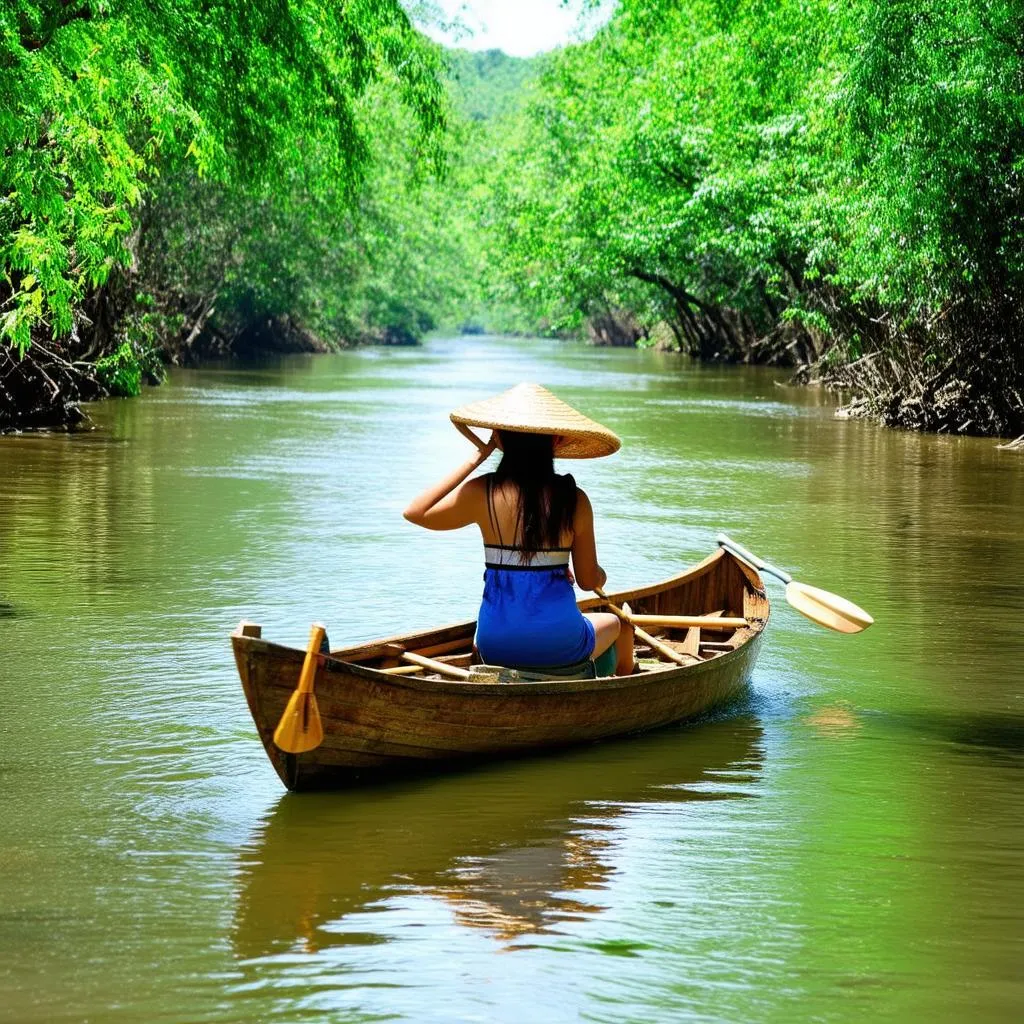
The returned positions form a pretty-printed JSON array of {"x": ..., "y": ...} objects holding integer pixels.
[{"x": 513, "y": 558}]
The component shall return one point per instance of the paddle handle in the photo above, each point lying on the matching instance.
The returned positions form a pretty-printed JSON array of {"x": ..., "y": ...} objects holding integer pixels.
[
  {"x": 751, "y": 559},
  {"x": 316, "y": 637}
]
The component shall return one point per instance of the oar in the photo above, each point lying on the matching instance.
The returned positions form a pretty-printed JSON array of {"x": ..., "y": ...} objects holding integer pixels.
[
  {"x": 652, "y": 641},
  {"x": 828, "y": 610},
  {"x": 299, "y": 729}
]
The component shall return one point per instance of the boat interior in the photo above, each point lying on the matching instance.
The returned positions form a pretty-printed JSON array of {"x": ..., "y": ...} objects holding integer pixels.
[{"x": 723, "y": 597}]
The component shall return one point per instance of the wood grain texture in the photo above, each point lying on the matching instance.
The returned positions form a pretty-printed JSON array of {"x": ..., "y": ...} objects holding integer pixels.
[{"x": 378, "y": 724}]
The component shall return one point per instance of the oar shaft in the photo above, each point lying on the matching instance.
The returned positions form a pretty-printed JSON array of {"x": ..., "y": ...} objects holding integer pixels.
[
  {"x": 308, "y": 675},
  {"x": 402, "y": 670},
  {"x": 656, "y": 645},
  {"x": 751, "y": 559},
  {"x": 828, "y": 610},
  {"x": 438, "y": 666}
]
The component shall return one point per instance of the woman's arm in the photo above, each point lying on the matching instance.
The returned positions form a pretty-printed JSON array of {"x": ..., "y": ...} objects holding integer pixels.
[
  {"x": 455, "y": 501},
  {"x": 584, "y": 547}
]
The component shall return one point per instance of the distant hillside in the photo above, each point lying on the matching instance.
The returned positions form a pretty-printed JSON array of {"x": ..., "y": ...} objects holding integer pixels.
[{"x": 488, "y": 84}]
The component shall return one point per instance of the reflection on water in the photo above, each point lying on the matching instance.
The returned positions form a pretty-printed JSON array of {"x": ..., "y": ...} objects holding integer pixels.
[
  {"x": 847, "y": 846},
  {"x": 513, "y": 850}
]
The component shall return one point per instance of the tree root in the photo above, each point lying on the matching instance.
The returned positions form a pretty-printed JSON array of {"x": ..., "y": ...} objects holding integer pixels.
[
  {"x": 962, "y": 373},
  {"x": 43, "y": 390}
]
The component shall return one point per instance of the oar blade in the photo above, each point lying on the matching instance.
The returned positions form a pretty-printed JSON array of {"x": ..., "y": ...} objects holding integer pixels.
[
  {"x": 828, "y": 610},
  {"x": 300, "y": 728}
]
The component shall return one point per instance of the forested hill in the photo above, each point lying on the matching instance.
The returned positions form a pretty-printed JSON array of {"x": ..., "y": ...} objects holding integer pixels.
[{"x": 489, "y": 84}]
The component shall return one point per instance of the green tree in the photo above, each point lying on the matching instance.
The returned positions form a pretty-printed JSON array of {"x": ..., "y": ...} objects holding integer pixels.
[
  {"x": 835, "y": 186},
  {"x": 99, "y": 99},
  {"x": 226, "y": 141}
]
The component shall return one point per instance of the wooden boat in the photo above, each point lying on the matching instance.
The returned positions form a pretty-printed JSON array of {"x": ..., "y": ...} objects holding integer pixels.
[{"x": 378, "y": 723}]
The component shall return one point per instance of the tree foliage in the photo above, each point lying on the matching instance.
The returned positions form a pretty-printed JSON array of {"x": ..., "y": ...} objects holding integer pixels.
[
  {"x": 790, "y": 180},
  {"x": 836, "y": 186},
  {"x": 489, "y": 84},
  {"x": 107, "y": 105}
]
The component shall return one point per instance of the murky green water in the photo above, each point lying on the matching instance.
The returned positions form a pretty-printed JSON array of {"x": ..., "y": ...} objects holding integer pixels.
[{"x": 846, "y": 845}]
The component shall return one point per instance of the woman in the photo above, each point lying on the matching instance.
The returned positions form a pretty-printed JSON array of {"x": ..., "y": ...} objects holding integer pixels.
[{"x": 532, "y": 520}]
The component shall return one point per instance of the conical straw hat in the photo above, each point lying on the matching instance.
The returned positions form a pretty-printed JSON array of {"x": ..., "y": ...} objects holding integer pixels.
[{"x": 531, "y": 409}]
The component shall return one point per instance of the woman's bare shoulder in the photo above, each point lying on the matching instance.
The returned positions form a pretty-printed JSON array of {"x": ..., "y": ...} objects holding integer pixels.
[
  {"x": 476, "y": 486},
  {"x": 584, "y": 510}
]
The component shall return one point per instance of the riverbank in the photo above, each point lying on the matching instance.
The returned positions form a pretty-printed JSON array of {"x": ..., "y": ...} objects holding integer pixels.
[
  {"x": 45, "y": 388},
  {"x": 958, "y": 373}
]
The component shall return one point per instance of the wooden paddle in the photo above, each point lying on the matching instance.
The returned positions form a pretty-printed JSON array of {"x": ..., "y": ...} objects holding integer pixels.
[
  {"x": 828, "y": 610},
  {"x": 300, "y": 729},
  {"x": 652, "y": 641}
]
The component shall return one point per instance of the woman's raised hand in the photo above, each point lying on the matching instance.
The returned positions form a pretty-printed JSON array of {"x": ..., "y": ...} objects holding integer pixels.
[{"x": 484, "y": 448}]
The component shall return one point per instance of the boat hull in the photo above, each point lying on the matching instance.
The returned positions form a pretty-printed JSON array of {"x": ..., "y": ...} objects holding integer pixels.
[{"x": 378, "y": 725}]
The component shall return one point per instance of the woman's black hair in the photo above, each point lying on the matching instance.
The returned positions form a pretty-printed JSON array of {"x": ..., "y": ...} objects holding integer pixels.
[{"x": 545, "y": 501}]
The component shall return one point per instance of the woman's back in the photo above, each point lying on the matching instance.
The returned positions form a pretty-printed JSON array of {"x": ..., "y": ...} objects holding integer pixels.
[{"x": 508, "y": 520}]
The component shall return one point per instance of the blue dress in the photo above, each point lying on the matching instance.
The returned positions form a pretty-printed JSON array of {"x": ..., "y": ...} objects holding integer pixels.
[{"x": 528, "y": 616}]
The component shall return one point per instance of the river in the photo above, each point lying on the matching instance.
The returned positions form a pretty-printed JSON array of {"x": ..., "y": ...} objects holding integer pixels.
[{"x": 846, "y": 844}]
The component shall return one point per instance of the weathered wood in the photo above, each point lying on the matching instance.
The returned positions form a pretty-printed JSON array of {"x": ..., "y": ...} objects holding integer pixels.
[
  {"x": 378, "y": 720},
  {"x": 626, "y": 614},
  {"x": 679, "y": 648},
  {"x": 691, "y": 642},
  {"x": 461, "y": 631},
  {"x": 661, "y": 648},
  {"x": 434, "y": 650},
  {"x": 462, "y": 660}
]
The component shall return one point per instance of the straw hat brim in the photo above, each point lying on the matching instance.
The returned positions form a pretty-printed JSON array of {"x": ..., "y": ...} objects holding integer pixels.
[{"x": 531, "y": 409}]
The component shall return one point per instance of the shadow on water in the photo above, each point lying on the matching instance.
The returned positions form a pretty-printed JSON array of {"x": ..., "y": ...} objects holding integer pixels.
[
  {"x": 511, "y": 848},
  {"x": 981, "y": 734}
]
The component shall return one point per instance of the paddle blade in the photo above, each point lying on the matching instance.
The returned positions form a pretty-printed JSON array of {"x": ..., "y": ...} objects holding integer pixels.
[
  {"x": 828, "y": 610},
  {"x": 300, "y": 729}
]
